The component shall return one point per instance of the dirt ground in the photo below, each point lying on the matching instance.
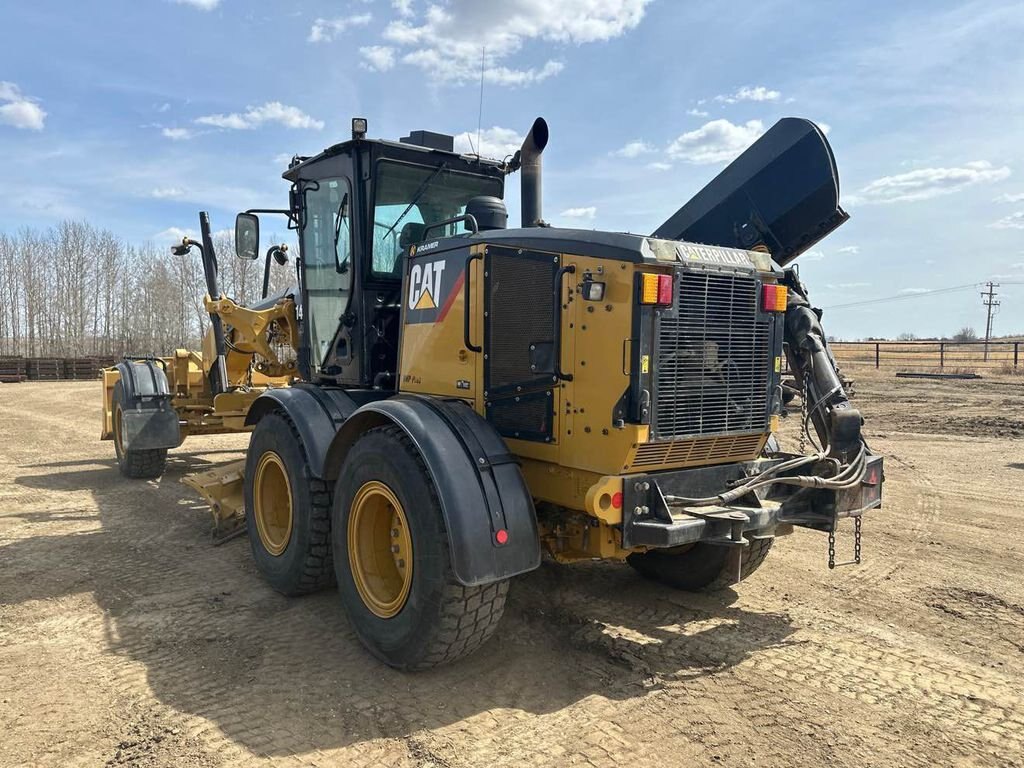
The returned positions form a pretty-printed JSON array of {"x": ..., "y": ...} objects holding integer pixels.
[{"x": 127, "y": 639}]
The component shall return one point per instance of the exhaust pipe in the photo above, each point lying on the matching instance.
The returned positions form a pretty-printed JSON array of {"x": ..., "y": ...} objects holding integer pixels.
[{"x": 529, "y": 157}]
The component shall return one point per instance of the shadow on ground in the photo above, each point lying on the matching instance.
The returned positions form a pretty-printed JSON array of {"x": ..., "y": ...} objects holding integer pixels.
[{"x": 286, "y": 676}]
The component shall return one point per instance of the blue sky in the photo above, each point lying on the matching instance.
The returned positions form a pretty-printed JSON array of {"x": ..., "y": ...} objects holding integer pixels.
[{"x": 136, "y": 113}]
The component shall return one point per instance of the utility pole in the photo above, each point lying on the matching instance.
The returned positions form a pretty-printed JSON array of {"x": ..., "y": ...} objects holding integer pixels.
[{"x": 988, "y": 299}]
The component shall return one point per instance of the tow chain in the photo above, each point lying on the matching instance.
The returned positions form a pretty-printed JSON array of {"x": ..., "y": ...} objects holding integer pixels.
[
  {"x": 856, "y": 545},
  {"x": 803, "y": 417}
]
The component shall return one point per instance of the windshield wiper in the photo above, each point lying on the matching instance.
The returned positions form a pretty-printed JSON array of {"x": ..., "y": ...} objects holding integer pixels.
[
  {"x": 416, "y": 197},
  {"x": 342, "y": 268}
]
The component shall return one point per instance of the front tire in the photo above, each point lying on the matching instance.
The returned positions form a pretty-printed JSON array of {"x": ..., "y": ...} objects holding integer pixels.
[
  {"x": 701, "y": 567},
  {"x": 392, "y": 561},
  {"x": 288, "y": 511},
  {"x": 146, "y": 464}
]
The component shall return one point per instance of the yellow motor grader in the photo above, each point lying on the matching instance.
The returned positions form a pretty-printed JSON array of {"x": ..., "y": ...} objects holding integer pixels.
[{"x": 466, "y": 395}]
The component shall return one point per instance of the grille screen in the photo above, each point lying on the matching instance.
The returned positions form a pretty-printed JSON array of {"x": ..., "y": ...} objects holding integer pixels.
[
  {"x": 712, "y": 359},
  {"x": 520, "y": 313}
]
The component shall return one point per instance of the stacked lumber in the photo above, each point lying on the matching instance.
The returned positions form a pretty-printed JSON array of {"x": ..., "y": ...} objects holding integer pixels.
[
  {"x": 45, "y": 368},
  {"x": 12, "y": 370}
]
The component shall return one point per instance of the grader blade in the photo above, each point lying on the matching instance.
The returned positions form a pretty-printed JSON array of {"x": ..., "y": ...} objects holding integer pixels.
[{"x": 223, "y": 490}]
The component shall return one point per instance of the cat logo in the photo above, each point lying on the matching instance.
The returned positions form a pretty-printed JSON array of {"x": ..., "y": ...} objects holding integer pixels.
[{"x": 425, "y": 284}]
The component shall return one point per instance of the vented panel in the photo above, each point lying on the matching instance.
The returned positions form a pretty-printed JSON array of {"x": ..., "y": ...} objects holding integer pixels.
[
  {"x": 525, "y": 417},
  {"x": 520, "y": 313},
  {"x": 712, "y": 359},
  {"x": 699, "y": 451},
  {"x": 518, "y": 342}
]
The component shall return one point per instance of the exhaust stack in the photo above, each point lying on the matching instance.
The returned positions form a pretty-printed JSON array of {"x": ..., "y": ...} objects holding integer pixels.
[{"x": 529, "y": 157}]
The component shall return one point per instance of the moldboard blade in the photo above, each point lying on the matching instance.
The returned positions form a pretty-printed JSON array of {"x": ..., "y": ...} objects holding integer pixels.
[{"x": 782, "y": 193}]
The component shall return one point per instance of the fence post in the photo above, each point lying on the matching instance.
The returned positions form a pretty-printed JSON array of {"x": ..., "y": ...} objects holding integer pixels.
[
  {"x": 878, "y": 354},
  {"x": 942, "y": 355},
  {"x": 1016, "y": 349}
]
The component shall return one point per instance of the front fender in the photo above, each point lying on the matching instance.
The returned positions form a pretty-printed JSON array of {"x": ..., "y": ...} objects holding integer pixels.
[
  {"x": 478, "y": 482},
  {"x": 148, "y": 418}
]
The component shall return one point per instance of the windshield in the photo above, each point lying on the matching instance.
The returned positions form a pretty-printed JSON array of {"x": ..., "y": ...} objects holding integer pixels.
[{"x": 408, "y": 197}]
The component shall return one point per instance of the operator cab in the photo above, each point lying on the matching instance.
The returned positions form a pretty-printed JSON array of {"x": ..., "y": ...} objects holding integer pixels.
[{"x": 358, "y": 206}]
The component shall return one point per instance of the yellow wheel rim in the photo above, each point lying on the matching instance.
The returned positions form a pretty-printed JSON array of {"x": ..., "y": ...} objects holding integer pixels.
[
  {"x": 118, "y": 439},
  {"x": 272, "y": 502},
  {"x": 380, "y": 549}
]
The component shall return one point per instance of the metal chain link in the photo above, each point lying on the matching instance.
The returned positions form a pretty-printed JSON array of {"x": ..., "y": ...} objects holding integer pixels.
[
  {"x": 832, "y": 548},
  {"x": 803, "y": 417},
  {"x": 856, "y": 539}
]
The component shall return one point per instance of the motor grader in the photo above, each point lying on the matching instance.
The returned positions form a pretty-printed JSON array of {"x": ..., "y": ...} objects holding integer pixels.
[{"x": 466, "y": 395}]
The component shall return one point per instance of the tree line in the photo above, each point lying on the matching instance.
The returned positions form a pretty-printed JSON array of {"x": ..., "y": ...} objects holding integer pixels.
[{"x": 74, "y": 290}]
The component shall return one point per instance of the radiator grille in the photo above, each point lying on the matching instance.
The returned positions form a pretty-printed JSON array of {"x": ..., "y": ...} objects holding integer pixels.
[{"x": 712, "y": 359}]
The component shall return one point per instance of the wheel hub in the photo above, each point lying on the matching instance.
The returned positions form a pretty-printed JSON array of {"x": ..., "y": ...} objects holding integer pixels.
[
  {"x": 272, "y": 503},
  {"x": 380, "y": 549}
]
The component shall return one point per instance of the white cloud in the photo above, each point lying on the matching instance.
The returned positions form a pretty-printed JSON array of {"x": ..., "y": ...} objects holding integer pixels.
[
  {"x": 1013, "y": 221},
  {"x": 494, "y": 142},
  {"x": 634, "y": 149},
  {"x": 659, "y": 166},
  {"x": 813, "y": 256},
  {"x": 377, "y": 58},
  {"x": 715, "y": 142},
  {"x": 845, "y": 286},
  {"x": 853, "y": 250},
  {"x": 825, "y": 128},
  {"x": 908, "y": 291},
  {"x": 926, "y": 183},
  {"x": 167, "y": 193},
  {"x": 587, "y": 212},
  {"x": 749, "y": 93},
  {"x": 447, "y": 44},
  {"x": 325, "y": 30},
  {"x": 18, "y": 110},
  {"x": 253, "y": 117},
  {"x": 177, "y": 134},
  {"x": 283, "y": 159},
  {"x": 1009, "y": 198},
  {"x": 165, "y": 107},
  {"x": 696, "y": 113},
  {"x": 203, "y": 5},
  {"x": 404, "y": 7}
]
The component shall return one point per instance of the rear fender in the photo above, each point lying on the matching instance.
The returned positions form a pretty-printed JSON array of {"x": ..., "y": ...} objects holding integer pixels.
[
  {"x": 479, "y": 484},
  {"x": 316, "y": 412},
  {"x": 148, "y": 420}
]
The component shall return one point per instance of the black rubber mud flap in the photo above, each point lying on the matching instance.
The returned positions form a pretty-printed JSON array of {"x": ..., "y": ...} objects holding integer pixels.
[
  {"x": 148, "y": 420},
  {"x": 487, "y": 508},
  {"x": 782, "y": 193}
]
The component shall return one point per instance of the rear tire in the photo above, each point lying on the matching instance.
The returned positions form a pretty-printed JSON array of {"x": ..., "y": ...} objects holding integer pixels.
[
  {"x": 392, "y": 561},
  {"x": 288, "y": 511},
  {"x": 140, "y": 465},
  {"x": 701, "y": 567}
]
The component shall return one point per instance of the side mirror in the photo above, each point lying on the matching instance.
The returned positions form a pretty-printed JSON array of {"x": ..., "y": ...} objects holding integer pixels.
[{"x": 247, "y": 236}]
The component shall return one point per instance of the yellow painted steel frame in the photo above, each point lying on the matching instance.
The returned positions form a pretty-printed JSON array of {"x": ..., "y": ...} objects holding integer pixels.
[
  {"x": 249, "y": 330},
  {"x": 584, "y": 464}
]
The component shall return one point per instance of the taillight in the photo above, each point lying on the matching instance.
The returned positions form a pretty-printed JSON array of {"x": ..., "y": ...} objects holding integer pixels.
[
  {"x": 773, "y": 298},
  {"x": 656, "y": 289}
]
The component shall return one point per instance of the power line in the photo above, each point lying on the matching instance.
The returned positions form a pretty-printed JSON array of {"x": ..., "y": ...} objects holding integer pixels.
[
  {"x": 913, "y": 295},
  {"x": 904, "y": 296}
]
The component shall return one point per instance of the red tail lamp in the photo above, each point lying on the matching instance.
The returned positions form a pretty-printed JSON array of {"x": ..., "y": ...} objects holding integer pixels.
[
  {"x": 773, "y": 298},
  {"x": 656, "y": 289}
]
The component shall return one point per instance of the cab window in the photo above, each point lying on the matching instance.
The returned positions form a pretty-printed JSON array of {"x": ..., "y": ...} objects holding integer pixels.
[
  {"x": 408, "y": 198},
  {"x": 326, "y": 260}
]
